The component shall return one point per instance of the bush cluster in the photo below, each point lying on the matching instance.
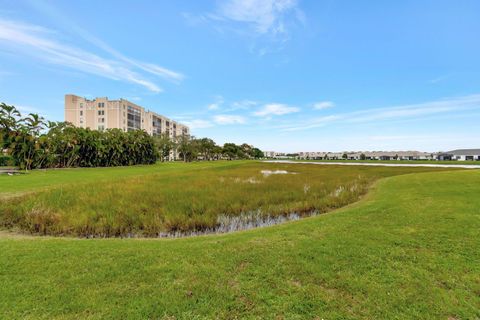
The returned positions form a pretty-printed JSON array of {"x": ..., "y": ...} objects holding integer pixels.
[
  {"x": 6, "y": 161},
  {"x": 33, "y": 143}
]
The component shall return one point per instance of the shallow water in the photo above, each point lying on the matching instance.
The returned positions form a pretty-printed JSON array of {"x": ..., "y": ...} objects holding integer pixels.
[
  {"x": 228, "y": 224},
  {"x": 246, "y": 221},
  {"x": 267, "y": 173}
]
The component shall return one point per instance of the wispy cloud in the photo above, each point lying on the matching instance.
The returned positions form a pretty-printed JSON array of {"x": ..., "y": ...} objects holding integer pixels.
[
  {"x": 378, "y": 115},
  {"x": 220, "y": 119},
  {"x": 263, "y": 16},
  {"x": 275, "y": 109},
  {"x": 224, "y": 119},
  {"x": 225, "y": 106},
  {"x": 198, "y": 124},
  {"x": 4, "y": 74},
  {"x": 67, "y": 23},
  {"x": 323, "y": 105},
  {"x": 217, "y": 104},
  {"x": 44, "y": 44},
  {"x": 439, "y": 79},
  {"x": 242, "y": 105},
  {"x": 268, "y": 22},
  {"x": 213, "y": 106}
]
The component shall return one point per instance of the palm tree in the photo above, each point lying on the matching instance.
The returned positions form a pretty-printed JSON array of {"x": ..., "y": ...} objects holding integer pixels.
[
  {"x": 34, "y": 123},
  {"x": 8, "y": 117}
]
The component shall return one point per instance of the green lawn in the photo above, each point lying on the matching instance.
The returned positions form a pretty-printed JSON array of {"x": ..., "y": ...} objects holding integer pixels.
[
  {"x": 42, "y": 179},
  {"x": 410, "y": 249}
]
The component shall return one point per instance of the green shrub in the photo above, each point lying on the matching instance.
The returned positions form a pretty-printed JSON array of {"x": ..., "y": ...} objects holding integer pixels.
[{"x": 6, "y": 161}]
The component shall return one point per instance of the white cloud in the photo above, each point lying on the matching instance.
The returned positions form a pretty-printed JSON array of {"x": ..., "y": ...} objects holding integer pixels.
[
  {"x": 213, "y": 106},
  {"x": 159, "y": 71},
  {"x": 198, "y": 124},
  {"x": 41, "y": 43},
  {"x": 217, "y": 104},
  {"x": 323, "y": 105},
  {"x": 68, "y": 24},
  {"x": 275, "y": 109},
  {"x": 229, "y": 119},
  {"x": 405, "y": 112},
  {"x": 267, "y": 24},
  {"x": 439, "y": 79},
  {"x": 242, "y": 105},
  {"x": 264, "y": 16}
]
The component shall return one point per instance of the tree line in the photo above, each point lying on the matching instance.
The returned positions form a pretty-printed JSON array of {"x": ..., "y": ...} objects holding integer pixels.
[
  {"x": 33, "y": 143},
  {"x": 190, "y": 148}
]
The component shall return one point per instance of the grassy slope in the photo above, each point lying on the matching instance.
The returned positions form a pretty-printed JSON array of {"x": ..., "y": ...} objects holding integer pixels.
[{"x": 410, "y": 250}]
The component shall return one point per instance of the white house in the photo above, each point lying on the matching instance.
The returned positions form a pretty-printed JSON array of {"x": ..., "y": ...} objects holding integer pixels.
[{"x": 460, "y": 155}]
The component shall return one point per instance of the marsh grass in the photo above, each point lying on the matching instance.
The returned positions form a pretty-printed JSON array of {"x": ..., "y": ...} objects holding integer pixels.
[{"x": 211, "y": 199}]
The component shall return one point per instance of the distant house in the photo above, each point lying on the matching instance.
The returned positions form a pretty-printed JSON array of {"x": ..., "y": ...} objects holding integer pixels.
[
  {"x": 460, "y": 155},
  {"x": 269, "y": 154},
  {"x": 354, "y": 156},
  {"x": 367, "y": 155},
  {"x": 334, "y": 155},
  {"x": 275, "y": 155},
  {"x": 311, "y": 155},
  {"x": 443, "y": 156},
  {"x": 398, "y": 155}
]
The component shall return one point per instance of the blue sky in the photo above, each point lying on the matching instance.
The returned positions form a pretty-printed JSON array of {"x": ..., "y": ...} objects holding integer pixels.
[{"x": 283, "y": 75}]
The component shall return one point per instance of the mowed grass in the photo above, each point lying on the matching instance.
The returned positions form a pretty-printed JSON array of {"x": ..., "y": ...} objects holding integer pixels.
[
  {"x": 180, "y": 198},
  {"x": 410, "y": 249},
  {"x": 38, "y": 180}
]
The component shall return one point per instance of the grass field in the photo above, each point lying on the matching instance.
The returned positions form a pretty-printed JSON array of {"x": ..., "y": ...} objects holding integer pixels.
[{"x": 410, "y": 249}]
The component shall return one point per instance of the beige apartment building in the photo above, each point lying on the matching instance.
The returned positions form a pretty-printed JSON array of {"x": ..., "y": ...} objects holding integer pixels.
[{"x": 101, "y": 113}]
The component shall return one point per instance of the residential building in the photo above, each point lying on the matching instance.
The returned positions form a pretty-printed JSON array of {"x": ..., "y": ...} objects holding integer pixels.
[
  {"x": 102, "y": 113},
  {"x": 398, "y": 155},
  {"x": 367, "y": 155},
  {"x": 460, "y": 155},
  {"x": 312, "y": 155},
  {"x": 275, "y": 155}
]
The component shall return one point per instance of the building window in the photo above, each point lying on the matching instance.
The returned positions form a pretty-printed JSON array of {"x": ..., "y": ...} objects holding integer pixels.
[
  {"x": 81, "y": 105},
  {"x": 134, "y": 119},
  {"x": 81, "y": 112},
  {"x": 101, "y": 120},
  {"x": 101, "y": 112},
  {"x": 101, "y": 128},
  {"x": 101, "y": 104}
]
